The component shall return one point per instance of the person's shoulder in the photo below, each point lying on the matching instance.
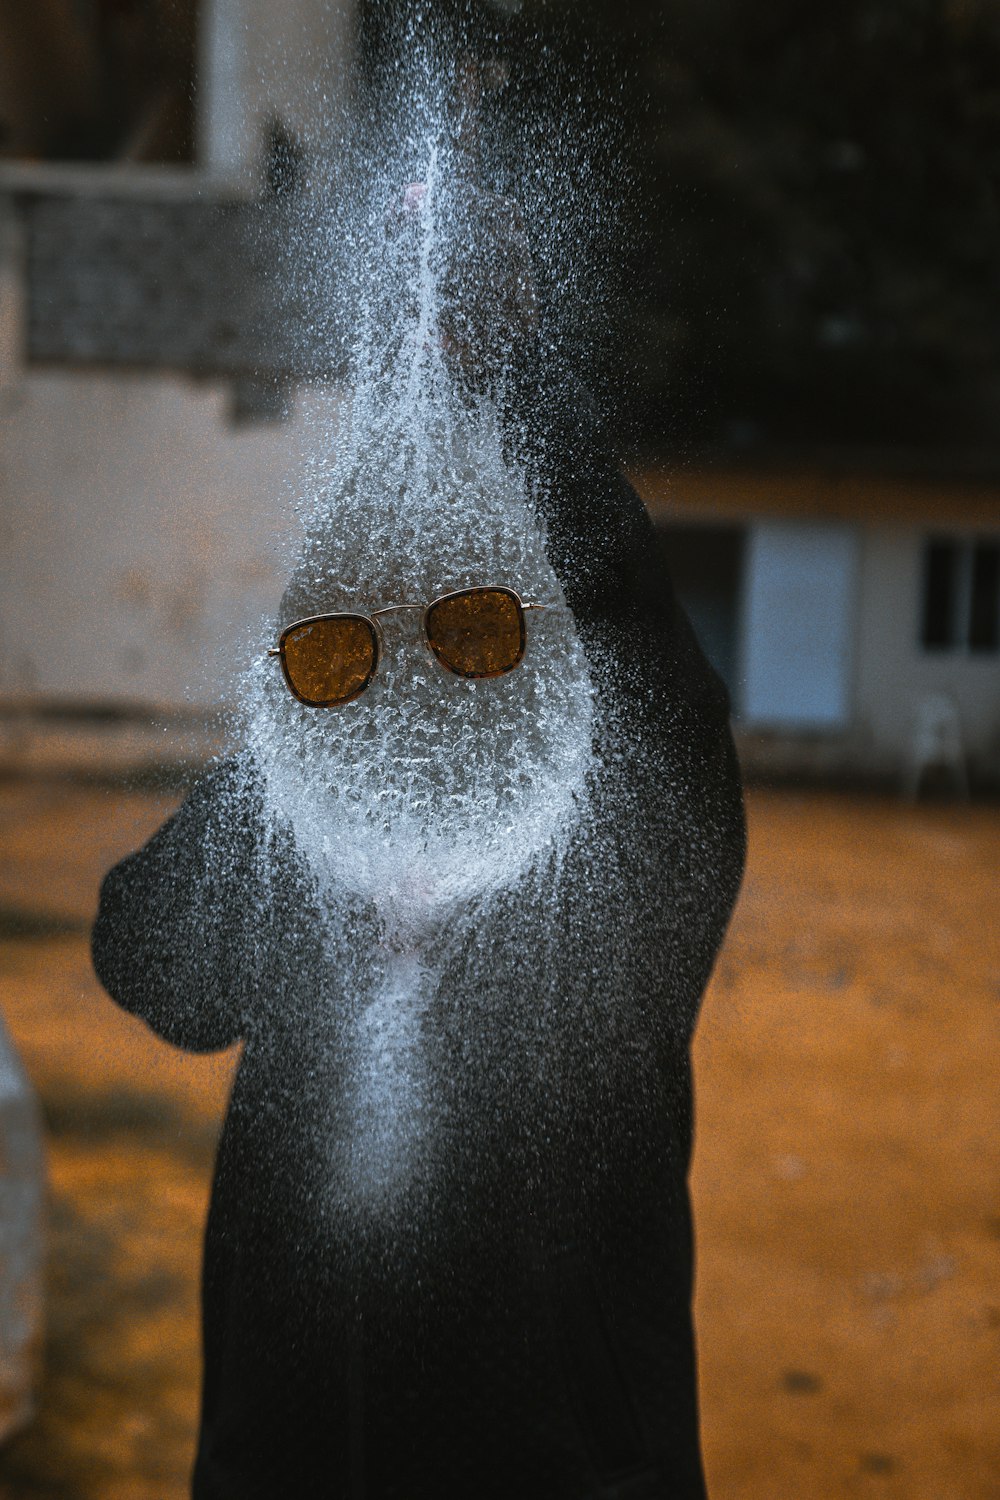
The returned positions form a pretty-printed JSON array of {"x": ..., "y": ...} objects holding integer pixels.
[
  {"x": 228, "y": 791},
  {"x": 235, "y": 773}
]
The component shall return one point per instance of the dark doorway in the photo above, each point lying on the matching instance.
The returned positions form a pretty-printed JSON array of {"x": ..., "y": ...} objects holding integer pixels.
[
  {"x": 706, "y": 564},
  {"x": 97, "y": 80}
]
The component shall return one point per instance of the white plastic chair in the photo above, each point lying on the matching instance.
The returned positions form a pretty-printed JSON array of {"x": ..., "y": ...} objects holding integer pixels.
[{"x": 936, "y": 743}]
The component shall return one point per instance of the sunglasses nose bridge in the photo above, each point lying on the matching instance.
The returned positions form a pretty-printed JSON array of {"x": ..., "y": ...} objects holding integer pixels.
[{"x": 411, "y": 620}]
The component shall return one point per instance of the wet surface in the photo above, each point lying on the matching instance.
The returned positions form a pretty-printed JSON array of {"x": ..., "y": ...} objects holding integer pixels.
[{"x": 848, "y": 1311}]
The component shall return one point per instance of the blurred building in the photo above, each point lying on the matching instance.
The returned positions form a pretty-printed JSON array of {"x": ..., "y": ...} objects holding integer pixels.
[
  {"x": 852, "y": 607},
  {"x": 814, "y": 353},
  {"x": 821, "y": 312},
  {"x": 150, "y": 427}
]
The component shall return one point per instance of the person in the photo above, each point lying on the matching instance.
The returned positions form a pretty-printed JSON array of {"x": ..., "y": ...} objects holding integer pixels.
[
  {"x": 461, "y": 927},
  {"x": 534, "y": 1337}
]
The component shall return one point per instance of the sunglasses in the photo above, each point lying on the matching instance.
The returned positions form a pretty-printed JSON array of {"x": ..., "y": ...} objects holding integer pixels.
[{"x": 475, "y": 633}]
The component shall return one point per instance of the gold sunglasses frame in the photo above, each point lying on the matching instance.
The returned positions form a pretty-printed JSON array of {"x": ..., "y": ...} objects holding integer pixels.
[{"x": 372, "y": 621}]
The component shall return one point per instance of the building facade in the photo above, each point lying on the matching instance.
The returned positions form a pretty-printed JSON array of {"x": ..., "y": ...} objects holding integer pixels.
[
  {"x": 150, "y": 422},
  {"x": 850, "y": 608},
  {"x": 156, "y": 398}
]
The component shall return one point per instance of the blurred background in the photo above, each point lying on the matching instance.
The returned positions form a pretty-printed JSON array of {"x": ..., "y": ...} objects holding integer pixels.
[{"x": 803, "y": 290}]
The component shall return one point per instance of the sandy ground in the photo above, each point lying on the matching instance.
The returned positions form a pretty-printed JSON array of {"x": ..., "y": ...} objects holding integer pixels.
[{"x": 845, "y": 1177}]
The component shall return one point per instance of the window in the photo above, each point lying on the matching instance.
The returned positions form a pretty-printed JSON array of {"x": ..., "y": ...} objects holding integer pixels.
[
  {"x": 98, "y": 80},
  {"x": 961, "y": 598},
  {"x": 984, "y": 610}
]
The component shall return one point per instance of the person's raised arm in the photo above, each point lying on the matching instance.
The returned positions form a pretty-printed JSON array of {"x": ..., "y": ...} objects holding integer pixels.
[{"x": 178, "y": 936}]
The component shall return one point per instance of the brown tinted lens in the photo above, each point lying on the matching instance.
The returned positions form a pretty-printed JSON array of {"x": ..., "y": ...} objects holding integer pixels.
[
  {"x": 479, "y": 633},
  {"x": 329, "y": 661}
]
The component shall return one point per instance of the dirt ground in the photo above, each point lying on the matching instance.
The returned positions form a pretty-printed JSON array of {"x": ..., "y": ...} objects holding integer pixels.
[{"x": 845, "y": 1178}]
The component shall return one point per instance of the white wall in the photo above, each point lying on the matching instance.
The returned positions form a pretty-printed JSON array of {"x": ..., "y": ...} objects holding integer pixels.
[
  {"x": 894, "y": 672},
  {"x": 260, "y": 60},
  {"x": 141, "y": 535}
]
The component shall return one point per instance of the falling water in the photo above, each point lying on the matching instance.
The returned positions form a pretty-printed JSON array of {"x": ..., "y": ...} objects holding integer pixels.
[
  {"x": 430, "y": 794},
  {"x": 495, "y": 902}
]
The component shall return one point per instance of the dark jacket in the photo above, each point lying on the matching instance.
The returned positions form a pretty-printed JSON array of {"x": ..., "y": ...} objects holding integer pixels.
[{"x": 525, "y": 1331}]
